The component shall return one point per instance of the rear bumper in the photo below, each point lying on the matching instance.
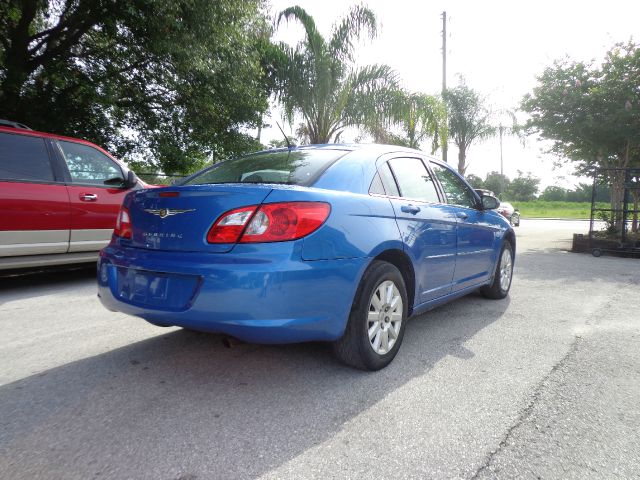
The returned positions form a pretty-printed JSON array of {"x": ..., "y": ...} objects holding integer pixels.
[{"x": 256, "y": 297}]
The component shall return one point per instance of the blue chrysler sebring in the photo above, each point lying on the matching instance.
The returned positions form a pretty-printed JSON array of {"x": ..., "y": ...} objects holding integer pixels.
[{"x": 338, "y": 243}]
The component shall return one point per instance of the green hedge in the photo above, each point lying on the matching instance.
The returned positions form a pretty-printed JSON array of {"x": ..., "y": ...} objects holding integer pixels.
[{"x": 546, "y": 209}]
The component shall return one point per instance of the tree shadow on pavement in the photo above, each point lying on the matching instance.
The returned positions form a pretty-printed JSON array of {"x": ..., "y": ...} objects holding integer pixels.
[{"x": 180, "y": 405}]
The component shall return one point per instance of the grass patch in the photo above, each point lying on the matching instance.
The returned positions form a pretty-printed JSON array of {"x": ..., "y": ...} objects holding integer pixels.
[{"x": 543, "y": 209}]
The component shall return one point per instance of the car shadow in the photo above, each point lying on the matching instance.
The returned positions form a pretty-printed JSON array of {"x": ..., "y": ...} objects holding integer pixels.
[
  {"x": 180, "y": 405},
  {"x": 20, "y": 284}
]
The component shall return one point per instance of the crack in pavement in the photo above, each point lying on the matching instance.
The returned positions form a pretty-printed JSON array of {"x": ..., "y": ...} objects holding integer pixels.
[
  {"x": 526, "y": 412},
  {"x": 593, "y": 320}
]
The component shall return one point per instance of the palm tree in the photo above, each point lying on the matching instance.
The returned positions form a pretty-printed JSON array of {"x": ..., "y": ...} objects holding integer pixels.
[
  {"x": 318, "y": 81},
  {"x": 419, "y": 117},
  {"x": 507, "y": 124},
  {"x": 469, "y": 120}
]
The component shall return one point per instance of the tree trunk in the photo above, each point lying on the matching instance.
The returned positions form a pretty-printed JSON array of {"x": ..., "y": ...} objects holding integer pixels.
[
  {"x": 462, "y": 160},
  {"x": 617, "y": 199},
  {"x": 16, "y": 76},
  {"x": 618, "y": 189},
  {"x": 16, "y": 63}
]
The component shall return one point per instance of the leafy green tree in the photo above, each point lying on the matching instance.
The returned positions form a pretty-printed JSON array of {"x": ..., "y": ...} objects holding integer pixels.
[
  {"x": 497, "y": 183},
  {"x": 553, "y": 193},
  {"x": 172, "y": 83},
  {"x": 523, "y": 188},
  {"x": 469, "y": 120},
  {"x": 591, "y": 113},
  {"x": 282, "y": 143},
  {"x": 319, "y": 82},
  {"x": 580, "y": 193},
  {"x": 584, "y": 191},
  {"x": 474, "y": 180}
]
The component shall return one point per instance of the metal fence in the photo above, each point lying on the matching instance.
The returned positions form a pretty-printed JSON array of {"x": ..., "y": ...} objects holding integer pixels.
[
  {"x": 621, "y": 231},
  {"x": 160, "y": 178}
]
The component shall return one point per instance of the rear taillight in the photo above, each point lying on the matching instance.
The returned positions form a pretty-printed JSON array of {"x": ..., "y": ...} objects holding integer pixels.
[
  {"x": 277, "y": 222},
  {"x": 123, "y": 224},
  {"x": 230, "y": 225},
  {"x": 272, "y": 222}
]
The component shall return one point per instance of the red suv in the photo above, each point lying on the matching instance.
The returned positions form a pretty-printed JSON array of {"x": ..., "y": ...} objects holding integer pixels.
[{"x": 59, "y": 197}]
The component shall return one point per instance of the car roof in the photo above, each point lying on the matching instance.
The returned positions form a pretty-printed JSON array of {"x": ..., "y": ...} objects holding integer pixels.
[
  {"x": 35, "y": 133},
  {"x": 353, "y": 171},
  {"x": 378, "y": 148}
]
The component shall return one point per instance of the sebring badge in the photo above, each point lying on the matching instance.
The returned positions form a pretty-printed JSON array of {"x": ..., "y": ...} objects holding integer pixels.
[{"x": 167, "y": 212}]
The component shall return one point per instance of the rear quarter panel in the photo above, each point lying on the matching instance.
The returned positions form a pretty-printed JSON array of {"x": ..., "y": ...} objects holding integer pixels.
[{"x": 359, "y": 225}]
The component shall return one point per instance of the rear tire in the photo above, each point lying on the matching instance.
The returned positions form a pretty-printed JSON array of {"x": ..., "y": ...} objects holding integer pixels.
[
  {"x": 377, "y": 321},
  {"x": 502, "y": 276}
]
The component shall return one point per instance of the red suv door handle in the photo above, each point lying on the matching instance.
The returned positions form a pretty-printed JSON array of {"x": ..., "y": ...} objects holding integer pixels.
[{"x": 88, "y": 197}]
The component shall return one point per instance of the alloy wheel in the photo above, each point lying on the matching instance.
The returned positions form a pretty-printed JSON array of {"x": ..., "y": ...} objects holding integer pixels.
[
  {"x": 506, "y": 269},
  {"x": 384, "y": 318}
]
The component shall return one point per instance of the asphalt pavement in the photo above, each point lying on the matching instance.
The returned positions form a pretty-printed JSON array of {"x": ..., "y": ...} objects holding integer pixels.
[{"x": 544, "y": 384}]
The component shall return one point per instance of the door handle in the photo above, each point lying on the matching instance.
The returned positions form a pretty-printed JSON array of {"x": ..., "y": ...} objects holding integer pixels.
[
  {"x": 88, "y": 197},
  {"x": 410, "y": 209},
  {"x": 462, "y": 215}
]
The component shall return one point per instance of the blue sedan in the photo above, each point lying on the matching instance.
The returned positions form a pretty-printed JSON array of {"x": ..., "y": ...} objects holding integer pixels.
[{"x": 337, "y": 243}]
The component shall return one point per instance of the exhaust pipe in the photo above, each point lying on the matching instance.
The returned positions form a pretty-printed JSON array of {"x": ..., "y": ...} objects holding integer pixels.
[{"x": 231, "y": 342}]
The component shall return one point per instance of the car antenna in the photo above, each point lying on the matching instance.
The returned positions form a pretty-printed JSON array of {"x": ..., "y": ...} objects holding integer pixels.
[{"x": 286, "y": 139}]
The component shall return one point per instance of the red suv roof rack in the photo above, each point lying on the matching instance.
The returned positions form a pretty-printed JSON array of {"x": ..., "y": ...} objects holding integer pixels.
[{"x": 9, "y": 123}]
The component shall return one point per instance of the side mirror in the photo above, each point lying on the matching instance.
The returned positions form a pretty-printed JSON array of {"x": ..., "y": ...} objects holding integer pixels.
[
  {"x": 490, "y": 203},
  {"x": 131, "y": 181}
]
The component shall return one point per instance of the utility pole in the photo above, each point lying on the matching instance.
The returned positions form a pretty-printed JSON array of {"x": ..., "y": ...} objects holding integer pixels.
[
  {"x": 501, "y": 164},
  {"x": 444, "y": 76}
]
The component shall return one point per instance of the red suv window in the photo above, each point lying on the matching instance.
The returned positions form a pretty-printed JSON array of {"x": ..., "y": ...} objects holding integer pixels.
[
  {"x": 24, "y": 157},
  {"x": 87, "y": 165}
]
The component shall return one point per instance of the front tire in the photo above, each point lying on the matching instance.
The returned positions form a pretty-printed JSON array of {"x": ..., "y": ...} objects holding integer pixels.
[
  {"x": 376, "y": 324},
  {"x": 503, "y": 275},
  {"x": 515, "y": 219}
]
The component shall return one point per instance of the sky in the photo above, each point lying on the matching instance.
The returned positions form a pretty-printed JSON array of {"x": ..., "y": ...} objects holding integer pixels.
[{"x": 497, "y": 46}]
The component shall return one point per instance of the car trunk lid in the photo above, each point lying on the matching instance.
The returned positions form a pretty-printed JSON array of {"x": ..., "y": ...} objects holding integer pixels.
[{"x": 179, "y": 218}]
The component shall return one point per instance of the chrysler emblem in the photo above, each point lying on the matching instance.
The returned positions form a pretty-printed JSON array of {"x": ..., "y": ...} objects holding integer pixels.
[{"x": 167, "y": 212}]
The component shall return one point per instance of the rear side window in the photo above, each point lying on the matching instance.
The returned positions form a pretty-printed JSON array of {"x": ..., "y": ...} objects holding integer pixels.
[
  {"x": 414, "y": 179},
  {"x": 376, "y": 186},
  {"x": 24, "y": 158},
  {"x": 297, "y": 167},
  {"x": 388, "y": 181}
]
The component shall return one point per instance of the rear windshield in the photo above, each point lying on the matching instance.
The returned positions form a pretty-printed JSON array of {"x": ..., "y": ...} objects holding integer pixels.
[{"x": 297, "y": 167}]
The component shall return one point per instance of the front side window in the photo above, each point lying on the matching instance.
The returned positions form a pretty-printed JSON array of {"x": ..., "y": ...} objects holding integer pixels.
[
  {"x": 456, "y": 191},
  {"x": 414, "y": 180},
  {"x": 88, "y": 165},
  {"x": 296, "y": 167},
  {"x": 23, "y": 157}
]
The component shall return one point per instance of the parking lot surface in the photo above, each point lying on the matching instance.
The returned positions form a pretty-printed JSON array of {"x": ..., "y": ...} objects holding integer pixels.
[{"x": 544, "y": 384}]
